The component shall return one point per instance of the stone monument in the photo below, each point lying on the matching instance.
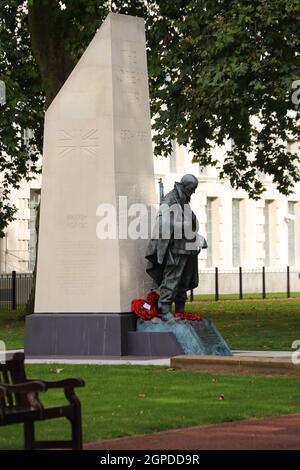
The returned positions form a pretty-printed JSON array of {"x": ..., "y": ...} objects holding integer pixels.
[{"x": 97, "y": 148}]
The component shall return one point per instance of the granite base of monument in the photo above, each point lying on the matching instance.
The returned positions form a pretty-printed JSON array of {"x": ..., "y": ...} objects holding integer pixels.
[
  {"x": 82, "y": 335},
  {"x": 149, "y": 344},
  {"x": 194, "y": 337},
  {"x": 78, "y": 335}
]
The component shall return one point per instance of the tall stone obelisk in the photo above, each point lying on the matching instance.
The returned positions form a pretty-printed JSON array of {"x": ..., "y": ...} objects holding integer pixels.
[{"x": 97, "y": 147}]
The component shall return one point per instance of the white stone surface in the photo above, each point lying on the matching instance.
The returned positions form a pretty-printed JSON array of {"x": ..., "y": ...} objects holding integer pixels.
[{"x": 97, "y": 147}]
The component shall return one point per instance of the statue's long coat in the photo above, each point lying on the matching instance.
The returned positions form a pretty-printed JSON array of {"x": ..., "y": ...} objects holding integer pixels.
[{"x": 163, "y": 241}]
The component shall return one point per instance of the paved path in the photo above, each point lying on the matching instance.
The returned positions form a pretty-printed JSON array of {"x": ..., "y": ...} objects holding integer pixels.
[
  {"x": 136, "y": 360},
  {"x": 280, "y": 433}
]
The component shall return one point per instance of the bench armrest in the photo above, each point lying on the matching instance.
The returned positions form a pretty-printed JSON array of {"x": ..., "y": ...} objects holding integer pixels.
[
  {"x": 64, "y": 383},
  {"x": 68, "y": 386},
  {"x": 31, "y": 386},
  {"x": 30, "y": 389}
]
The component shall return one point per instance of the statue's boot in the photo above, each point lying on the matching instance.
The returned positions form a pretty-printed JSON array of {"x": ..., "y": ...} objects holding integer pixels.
[
  {"x": 156, "y": 320},
  {"x": 179, "y": 307},
  {"x": 167, "y": 312},
  {"x": 165, "y": 309},
  {"x": 170, "y": 318}
]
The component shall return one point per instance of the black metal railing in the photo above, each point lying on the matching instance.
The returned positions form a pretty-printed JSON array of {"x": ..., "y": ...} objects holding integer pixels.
[
  {"x": 15, "y": 289},
  {"x": 262, "y": 278}
]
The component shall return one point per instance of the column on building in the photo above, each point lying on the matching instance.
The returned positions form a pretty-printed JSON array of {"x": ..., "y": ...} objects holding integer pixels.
[
  {"x": 281, "y": 231},
  {"x": 225, "y": 218},
  {"x": 259, "y": 223},
  {"x": 297, "y": 233},
  {"x": 247, "y": 209},
  {"x": 15, "y": 243},
  {"x": 270, "y": 226},
  {"x": 291, "y": 228},
  {"x": 212, "y": 226}
]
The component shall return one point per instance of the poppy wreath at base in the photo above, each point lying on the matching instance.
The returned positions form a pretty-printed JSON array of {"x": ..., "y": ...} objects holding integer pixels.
[
  {"x": 146, "y": 309},
  {"x": 189, "y": 316}
]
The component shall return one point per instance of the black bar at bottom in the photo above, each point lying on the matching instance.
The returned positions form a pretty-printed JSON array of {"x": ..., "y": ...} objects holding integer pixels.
[
  {"x": 217, "y": 284},
  {"x": 13, "y": 290},
  {"x": 263, "y": 283},
  {"x": 241, "y": 282}
]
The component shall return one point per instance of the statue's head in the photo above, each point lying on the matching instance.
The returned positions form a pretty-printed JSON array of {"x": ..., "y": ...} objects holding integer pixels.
[{"x": 189, "y": 183}]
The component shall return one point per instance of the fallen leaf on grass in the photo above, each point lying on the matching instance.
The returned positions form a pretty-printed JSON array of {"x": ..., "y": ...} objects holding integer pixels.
[
  {"x": 221, "y": 397},
  {"x": 56, "y": 371}
]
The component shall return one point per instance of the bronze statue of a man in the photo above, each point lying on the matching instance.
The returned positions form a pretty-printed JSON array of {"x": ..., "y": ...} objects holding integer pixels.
[{"x": 172, "y": 252}]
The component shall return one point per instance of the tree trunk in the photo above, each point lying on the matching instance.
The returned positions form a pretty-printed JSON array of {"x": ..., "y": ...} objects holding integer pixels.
[
  {"x": 29, "y": 309},
  {"x": 55, "y": 64},
  {"x": 48, "y": 41}
]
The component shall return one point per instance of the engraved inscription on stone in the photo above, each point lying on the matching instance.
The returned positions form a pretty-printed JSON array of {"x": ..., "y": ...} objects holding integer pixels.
[
  {"x": 129, "y": 52},
  {"x": 129, "y": 56},
  {"x": 134, "y": 97},
  {"x": 79, "y": 142},
  {"x": 76, "y": 221},
  {"x": 130, "y": 77},
  {"x": 209, "y": 337},
  {"x": 128, "y": 136},
  {"x": 76, "y": 267}
]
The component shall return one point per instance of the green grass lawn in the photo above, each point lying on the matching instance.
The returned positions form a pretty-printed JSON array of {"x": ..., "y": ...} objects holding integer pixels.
[
  {"x": 12, "y": 327},
  {"x": 254, "y": 324},
  {"x": 127, "y": 400},
  {"x": 247, "y": 324},
  {"x": 273, "y": 295}
]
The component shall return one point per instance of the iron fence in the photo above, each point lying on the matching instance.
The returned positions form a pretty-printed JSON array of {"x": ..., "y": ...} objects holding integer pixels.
[
  {"x": 214, "y": 283},
  {"x": 15, "y": 289}
]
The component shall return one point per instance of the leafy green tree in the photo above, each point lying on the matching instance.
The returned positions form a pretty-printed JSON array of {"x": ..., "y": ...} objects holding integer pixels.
[
  {"x": 213, "y": 68},
  {"x": 23, "y": 108},
  {"x": 219, "y": 65}
]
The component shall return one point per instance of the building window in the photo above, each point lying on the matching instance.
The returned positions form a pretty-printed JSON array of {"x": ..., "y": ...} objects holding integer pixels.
[
  {"x": 209, "y": 236},
  {"x": 291, "y": 233},
  {"x": 173, "y": 167},
  {"x": 267, "y": 243},
  {"x": 236, "y": 242}
]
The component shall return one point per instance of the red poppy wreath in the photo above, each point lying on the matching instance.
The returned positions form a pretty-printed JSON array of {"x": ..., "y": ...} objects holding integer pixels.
[{"x": 148, "y": 309}]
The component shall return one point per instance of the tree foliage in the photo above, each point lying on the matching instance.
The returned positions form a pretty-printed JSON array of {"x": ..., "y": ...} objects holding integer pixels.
[
  {"x": 215, "y": 68},
  {"x": 220, "y": 64},
  {"x": 23, "y": 108}
]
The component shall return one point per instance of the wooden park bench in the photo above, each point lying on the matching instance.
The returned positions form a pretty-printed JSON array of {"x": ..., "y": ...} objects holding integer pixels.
[{"x": 20, "y": 403}]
